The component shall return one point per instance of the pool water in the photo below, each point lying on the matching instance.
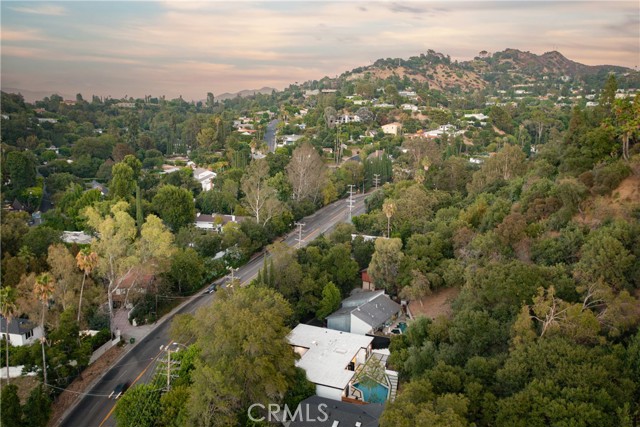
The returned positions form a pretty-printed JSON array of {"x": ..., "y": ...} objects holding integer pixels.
[
  {"x": 375, "y": 394},
  {"x": 402, "y": 326}
]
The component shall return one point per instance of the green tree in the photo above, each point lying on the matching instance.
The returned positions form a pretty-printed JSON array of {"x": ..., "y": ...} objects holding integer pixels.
[
  {"x": 245, "y": 357},
  {"x": 8, "y": 310},
  {"x": 605, "y": 258},
  {"x": 37, "y": 410},
  {"x": 115, "y": 247},
  {"x": 122, "y": 182},
  {"x": 21, "y": 168},
  {"x": 330, "y": 301},
  {"x": 186, "y": 271},
  {"x": 139, "y": 406},
  {"x": 175, "y": 206},
  {"x": 86, "y": 261},
  {"x": 11, "y": 414},
  {"x": 43, "y": 291},
  {"x": 385, "y": 264}
]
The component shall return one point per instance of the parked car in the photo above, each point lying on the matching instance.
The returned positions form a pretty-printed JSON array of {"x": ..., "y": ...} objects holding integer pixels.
[
  {"x": 119, "y": 390},
  {"x": 211, "y": 289}
]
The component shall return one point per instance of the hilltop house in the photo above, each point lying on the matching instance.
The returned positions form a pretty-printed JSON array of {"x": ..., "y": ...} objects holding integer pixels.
[
  {"x": 338, "y": 362},
  {"x": 364, "y": 313},
  {"x": 329, "y": 357},
  {"x": 392, "y": 128},
  {"x": 21, "y": 331},
  {"x": 205, "y": 177}
]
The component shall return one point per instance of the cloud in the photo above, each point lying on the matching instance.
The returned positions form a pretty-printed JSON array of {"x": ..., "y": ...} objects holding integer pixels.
[
  {"x": 41, "y": 9},
  {"x": 12, "y": 35}
]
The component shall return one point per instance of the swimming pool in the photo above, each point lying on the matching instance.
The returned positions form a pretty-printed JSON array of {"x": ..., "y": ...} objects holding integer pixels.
[
  {"x": 402, "y": 326},
  {"x": 376, "y": 394}
]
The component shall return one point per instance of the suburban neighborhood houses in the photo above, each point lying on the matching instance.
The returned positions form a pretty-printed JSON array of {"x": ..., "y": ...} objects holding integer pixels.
[{"x": 418, "y": 241}]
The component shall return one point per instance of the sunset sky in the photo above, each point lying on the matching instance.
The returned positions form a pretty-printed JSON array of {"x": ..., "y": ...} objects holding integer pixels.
[{"x": 173, "y": 48}]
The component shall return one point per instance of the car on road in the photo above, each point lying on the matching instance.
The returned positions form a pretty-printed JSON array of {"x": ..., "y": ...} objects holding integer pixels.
[
  {"x": 211, "y": 289},
  {"x": 119, "y": 390}
]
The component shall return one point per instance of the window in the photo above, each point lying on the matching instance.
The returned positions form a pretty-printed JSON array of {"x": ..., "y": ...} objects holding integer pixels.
[{"x": 29, "y": 334}]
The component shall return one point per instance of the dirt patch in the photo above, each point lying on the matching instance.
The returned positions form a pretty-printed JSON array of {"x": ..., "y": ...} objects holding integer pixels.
[
  {"x": 619, "y": 204},
  {"x": 436, "y": 304},
  {"x": 25, "y": 385},
  {"x": 81, "y": 384}
]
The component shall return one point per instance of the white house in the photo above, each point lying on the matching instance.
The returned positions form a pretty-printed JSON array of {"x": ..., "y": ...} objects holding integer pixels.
[
  {"x": 330, "y": 358},
  {"x": 409, "y": 107},
  {"x": 478, "y": 116},
  {"x": 79, "y": 237},
  {"x": 205, "y": 177},
  {"x": 392, "y": 128},
  {"x": 364, "y": 313},
  {"x": 21, "y": 331},
  {"x": 215, "y": 222}
]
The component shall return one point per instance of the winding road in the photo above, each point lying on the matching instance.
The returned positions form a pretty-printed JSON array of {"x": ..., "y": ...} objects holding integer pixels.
[{"x": 95, "y": 409}]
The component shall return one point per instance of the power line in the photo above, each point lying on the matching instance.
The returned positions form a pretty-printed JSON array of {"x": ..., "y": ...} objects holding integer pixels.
[{"x": 350, "y": 200}]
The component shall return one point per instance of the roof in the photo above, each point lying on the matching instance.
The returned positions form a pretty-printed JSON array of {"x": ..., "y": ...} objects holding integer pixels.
[
  {"x": 328, "y": 354},
  {"x": 137, "y": 277},
  {"x": 359, "y": 298},
  {"x": 345, "y": 414},
  {"x": 206, "y": 218},
  {"x": 377, "y": 311},
  {"x": 17, "y": 326},
  {"x": 79, "y": 237},
  {"x": 374, "y": 308},
  {"x": 201, "y": 174}
]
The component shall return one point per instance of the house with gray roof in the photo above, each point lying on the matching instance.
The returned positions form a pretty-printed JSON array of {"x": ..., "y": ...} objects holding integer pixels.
[
  {"x": 21, "y": 331},
  {"x": 364, "y": 313},
  {"x": 321, "y": 412}
]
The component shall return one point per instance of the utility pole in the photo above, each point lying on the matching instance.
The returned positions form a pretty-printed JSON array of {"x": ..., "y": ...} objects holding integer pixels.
[
  {"x": 168, "y": 368},
  {"x": 170, "y": 364},
  {"x": 299, "y": 225},
  {"x": 376, "y": 179},
  {"x": 233, "y": 270},
  {"x": 350, "y": 200}
]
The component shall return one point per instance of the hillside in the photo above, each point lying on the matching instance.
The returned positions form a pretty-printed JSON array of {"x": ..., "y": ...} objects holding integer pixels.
[
  {"x": 504, "y": 68},
  {"x": 244, "y": 93}
]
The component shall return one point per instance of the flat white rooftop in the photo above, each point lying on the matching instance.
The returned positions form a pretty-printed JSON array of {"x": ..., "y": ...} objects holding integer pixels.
[{"x": 328, "y": 353}]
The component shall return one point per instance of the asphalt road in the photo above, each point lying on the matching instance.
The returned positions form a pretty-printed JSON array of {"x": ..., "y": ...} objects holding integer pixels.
[
  {"x": 95, "y": 409},
  {"x": 270, "y": 135}
]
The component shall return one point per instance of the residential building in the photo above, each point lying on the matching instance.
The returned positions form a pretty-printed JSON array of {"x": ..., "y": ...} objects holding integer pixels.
[
  {"x": 133, "y": 285},
  {"x": 215, "y": 222},
  {"x": 478, "y": 116},
  {"x": 364, "y": 313},
  {"x": 21, "y": 331},
  {"x": 315, "y": 409},
  {"x": 95, "y": 185},
  {"x": 78, "y": 237},
  {"x": 330, "y": 358},
  {"x": 392, "y": 128},
  {"x": 409, "y": 107},
  {"x": 205, "y": 177}
]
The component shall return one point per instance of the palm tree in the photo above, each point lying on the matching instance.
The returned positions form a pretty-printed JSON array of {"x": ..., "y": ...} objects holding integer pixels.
[
  {"x": 7, "y": 309},
  {"x": 43, "y": 290},
  {"x": 86, "y": 261},
  {"x": 389, "y": 208}
]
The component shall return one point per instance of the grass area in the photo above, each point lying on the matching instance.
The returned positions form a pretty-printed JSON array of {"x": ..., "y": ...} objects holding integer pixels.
[{"x": 25, "y": 385}]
